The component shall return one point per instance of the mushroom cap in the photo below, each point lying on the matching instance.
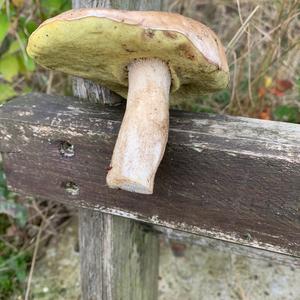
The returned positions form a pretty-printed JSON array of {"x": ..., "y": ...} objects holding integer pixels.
[{"x": 99, "y": 44}]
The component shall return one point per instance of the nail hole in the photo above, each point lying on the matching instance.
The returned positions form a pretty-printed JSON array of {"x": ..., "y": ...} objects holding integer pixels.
[
  {"x": 71, "y": 188},
  {"x": 247, "y": 236},
  {"x": 66, "y": 149}
]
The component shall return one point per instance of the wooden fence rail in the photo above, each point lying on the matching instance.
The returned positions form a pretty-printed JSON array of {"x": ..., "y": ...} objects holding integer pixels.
[{"x": 230, "y": 178}]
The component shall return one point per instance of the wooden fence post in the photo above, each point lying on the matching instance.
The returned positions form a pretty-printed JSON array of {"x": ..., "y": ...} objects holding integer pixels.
[{"x": 119, "y": 257}]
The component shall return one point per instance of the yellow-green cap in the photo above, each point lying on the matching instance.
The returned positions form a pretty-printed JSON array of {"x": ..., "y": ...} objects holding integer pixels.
[{"x": 99, "y": 44}]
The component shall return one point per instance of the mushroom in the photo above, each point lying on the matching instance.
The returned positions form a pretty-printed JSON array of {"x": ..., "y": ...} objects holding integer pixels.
[{"x": 144, "y": 56}]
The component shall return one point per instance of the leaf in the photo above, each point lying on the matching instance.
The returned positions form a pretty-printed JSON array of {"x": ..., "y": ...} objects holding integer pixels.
[
  {"x": 18, "y": 264},
  {"x": 265, "y": 114},
  {"x": 267, "y": 81},
  {"x": 15, "y": 210},
  {"x": 28, "y": 25},
  {"x": 4, "y": 46},
  {"x": 275, "y": 91},
  {"x": 261, "y": 92},
  {"x": 4, "y": 26},
  {"x": 18, "y": 3},
  {"x": 222, "y": 97},
  {"x": 13, "y": 48},
  {"x": 283, "y": 85},
  {"x": 29, "y": 64},
  {"x": 287, "y": 113},
  {"x": 51, "y": 6},
  {"x": 9, "y": 67},
  {"x": 31, "y": 26},
  {"x": 6, "y": 92}
]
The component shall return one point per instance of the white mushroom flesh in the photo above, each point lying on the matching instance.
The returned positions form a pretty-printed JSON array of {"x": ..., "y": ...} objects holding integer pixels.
[{"x": 143, "y": 134}]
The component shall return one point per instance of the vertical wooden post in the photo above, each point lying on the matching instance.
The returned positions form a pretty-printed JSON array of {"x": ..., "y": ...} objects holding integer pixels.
[{"x": 119, "y": 257}]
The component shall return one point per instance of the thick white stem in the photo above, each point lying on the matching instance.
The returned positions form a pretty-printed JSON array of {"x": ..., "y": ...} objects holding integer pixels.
[{"x": 143, "y": 134}]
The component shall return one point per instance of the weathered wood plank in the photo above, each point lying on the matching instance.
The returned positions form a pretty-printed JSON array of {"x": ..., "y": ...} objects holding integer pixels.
[
  {"x": 234, "y": 179},
  {"x": 119, "y": 258}
]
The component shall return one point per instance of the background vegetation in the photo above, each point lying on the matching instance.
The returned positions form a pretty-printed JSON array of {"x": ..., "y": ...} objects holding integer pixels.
[{"x": 262, "y": 45}]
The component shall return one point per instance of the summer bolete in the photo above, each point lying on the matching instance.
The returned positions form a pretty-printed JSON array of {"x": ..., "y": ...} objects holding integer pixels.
[{"x": 144, "y": 56}]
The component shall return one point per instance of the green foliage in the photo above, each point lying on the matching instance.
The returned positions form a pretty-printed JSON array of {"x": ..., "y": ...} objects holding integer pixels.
[
  {"x": 13, "y": 270},
  {"x": 298, "y": 86},
  {"x": 9, "y": 67},
  {"x": 8, "y": 204},
  {"x": 287, "y": 113},
  {"x": 13, "y": 263},
  {"x": 222, "y": 97},
  {"x": 3, "y": 188},
  {"x": 17, "y": 22},
  {"x": 4, "y": 26},
  {"x": 6, "y": 92},
  {"x": 15, "y": 210},
  {"x": 53, "y": 7}
]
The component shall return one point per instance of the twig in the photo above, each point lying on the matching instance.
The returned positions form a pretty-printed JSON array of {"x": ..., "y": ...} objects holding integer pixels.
[
  {"x": 40, "y": 213},
  {"x": 1, "y": 4},
  {"x": 239, "y": 11},
  {"x": 239, "y": 33},
  {"x": 33, "y": 261},
  {"x": 7, "y": 8},
  {"x": 8, "y": 244},
  {"x": 249, "y": 66},
  {"x": 49, "y": 85},
  {"x": 22, "y": 46}
]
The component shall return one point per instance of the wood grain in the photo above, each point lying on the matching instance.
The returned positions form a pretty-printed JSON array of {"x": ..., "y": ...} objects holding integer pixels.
[
  {"x": 118, "y": 258},
  {"x": 234, "y": 179}
]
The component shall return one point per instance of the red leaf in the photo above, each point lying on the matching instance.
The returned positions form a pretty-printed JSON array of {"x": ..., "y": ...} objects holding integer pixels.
[
  {"x": 275, "y": 91},
  {"x": 283, "y": 85}
]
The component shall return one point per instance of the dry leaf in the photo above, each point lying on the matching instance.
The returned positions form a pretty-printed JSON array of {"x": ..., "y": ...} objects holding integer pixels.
[
  {"x": 18, "y": 3},
  {"x": 283, "y": 85},
  {"x": 268, "y": 81},
  {"x": 265, "y": 114},
  {"x": 275, "y": 91},
  {"x": 261, "y": 92}
]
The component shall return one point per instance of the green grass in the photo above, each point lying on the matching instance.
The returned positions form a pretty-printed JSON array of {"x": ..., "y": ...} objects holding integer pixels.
[
  {"x": 13, "y": 261},
  {"x": 13, "y": 267}
]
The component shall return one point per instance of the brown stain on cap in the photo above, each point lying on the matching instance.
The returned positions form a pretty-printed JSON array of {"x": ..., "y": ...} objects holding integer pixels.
[
  {"x": 170, "y": 34},
  {"x": 185, "y": 50},
  {"x": 149, "y": 33}
]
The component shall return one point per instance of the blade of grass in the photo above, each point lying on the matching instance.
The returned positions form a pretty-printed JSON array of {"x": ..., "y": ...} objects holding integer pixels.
[
  {"x": 33, "y": 262},
  {"x": 239, "y": 33}
]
